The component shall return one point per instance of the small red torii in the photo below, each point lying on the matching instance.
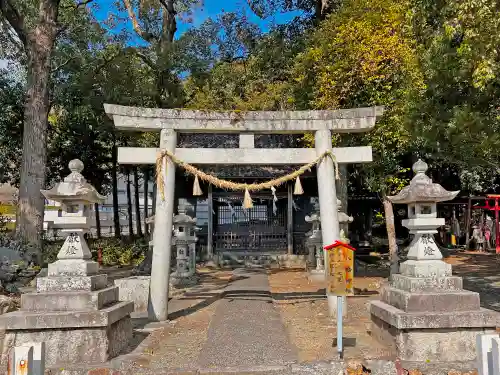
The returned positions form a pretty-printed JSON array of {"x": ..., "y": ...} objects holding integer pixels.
[{"x": 496, "y": 209}]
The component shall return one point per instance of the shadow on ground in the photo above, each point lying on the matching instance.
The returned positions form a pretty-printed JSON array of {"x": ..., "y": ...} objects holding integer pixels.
[{"x": 481, "y": 274}]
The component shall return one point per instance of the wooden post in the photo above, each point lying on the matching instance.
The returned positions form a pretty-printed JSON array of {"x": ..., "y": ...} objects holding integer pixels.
[
  {"x": 467, "y": 225},
  {"x": 210, "y": 230},
  {"x": 289, "y": 221}
]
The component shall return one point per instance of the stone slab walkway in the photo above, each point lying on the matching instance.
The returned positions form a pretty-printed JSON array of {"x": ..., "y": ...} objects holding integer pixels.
[{"x": 247, "y": 328}]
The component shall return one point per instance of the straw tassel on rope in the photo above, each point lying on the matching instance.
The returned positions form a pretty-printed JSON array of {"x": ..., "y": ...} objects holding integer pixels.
[
  {"x": 196, "y": 187},
  {"x": 247, "y": 200},
  {"x": 298, "y": 187}
]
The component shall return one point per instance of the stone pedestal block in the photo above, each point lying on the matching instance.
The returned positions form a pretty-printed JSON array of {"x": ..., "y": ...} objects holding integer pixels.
[
  {"x": 430, "y": 319},
  {"x": 317, "y": 275},
  {"x": 70, "y": 301},
  {"x": 422, "y": 284},
  {"x": 430, "y": 301},
  {"x": 422, "y": 337},
  {"x": 71, "y": 283},
  {"x": 94, "y": 344},
  {"x": 77, "y": 326},
  {"x": 135, "y": 289}
]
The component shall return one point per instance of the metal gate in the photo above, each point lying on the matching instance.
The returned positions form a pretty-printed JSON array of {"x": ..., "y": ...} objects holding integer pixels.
[{"x": 261, "y": 229}]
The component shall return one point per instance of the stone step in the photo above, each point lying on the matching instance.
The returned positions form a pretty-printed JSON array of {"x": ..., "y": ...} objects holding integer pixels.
[
  {"x": 68, "y": 301},
  {"x": 437, "y": 301}
]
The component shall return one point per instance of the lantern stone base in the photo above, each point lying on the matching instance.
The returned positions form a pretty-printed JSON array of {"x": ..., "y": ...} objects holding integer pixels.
[
  {"x": 85, "y": 341},
  {"x": 425, "y": 268},
  {"x": 73, "y": 267},
  {"x": 426, "y": 301},
  {"x": 71, "y": 283},
  {"x": 435, "y": 337},
  {"x": 430, "y": 318},
  {"x": 78, "y": 317},
  {"x": 70, "y": 301},
  {"x": 415, "y": 284},
  {"x": 183, "y": 281}
]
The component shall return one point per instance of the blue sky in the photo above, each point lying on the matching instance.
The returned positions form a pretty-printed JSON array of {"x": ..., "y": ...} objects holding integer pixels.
[{"x": 211, "y": 8}]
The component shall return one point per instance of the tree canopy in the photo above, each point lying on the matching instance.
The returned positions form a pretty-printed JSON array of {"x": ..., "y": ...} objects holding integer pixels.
[{"x": 433, "y": 65}]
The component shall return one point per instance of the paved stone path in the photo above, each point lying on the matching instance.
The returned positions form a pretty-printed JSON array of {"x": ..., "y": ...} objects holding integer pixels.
[{"x": 247, "y": 328}]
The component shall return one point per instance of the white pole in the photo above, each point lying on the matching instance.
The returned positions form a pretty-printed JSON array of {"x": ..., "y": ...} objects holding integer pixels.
[{"x": 340, "y": 348}]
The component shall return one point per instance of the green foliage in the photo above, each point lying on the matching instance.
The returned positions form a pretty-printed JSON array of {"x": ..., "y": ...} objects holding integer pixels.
[
  {"x": 115, "y": 252},
  {"x": 259, "y": 81},
  {"x": 364, "y": 55},
  {"x": 11, "y": 124},
  {"x": 121, "y": 252},
  {"x": 361, "y": 55},
  {"x": 433, "y": 65},
  {"x": 456, "y": 114}
]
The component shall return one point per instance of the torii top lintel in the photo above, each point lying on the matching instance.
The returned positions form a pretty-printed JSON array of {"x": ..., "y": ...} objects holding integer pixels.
[{"x": 265, "y": 122}]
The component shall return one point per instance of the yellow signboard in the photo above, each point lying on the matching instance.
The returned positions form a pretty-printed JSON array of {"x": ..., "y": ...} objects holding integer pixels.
[{"x": 340, "y": 269}]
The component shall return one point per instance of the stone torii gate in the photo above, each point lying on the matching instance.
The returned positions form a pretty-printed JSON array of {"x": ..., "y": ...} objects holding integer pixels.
[{"x": 171, "y": 122}]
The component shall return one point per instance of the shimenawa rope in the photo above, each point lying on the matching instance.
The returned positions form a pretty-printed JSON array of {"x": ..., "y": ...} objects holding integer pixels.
[{"x": 234, "y": 186}]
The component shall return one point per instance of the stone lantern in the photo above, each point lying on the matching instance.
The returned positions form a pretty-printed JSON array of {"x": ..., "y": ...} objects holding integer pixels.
[
  {"x": 424, "y": 314},
  {"x": 314, "y": 241},
  {"x": 77, "y": 198},
  {"x": 184, "y": 240},
  {"x": 343, "y": 219},
  {"x": 422, "y": 196},
  {"x": 73, "y": 308}
]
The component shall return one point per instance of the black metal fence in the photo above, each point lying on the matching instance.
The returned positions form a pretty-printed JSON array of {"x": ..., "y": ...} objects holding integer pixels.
[{"x": 262, "y": 228}]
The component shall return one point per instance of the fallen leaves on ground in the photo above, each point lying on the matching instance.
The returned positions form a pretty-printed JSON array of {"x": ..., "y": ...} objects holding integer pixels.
[{"x": 358, "y": 369}]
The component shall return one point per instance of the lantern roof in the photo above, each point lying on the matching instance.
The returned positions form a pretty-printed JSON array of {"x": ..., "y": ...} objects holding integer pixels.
[
  {"x": 74, "y": 187},
  {"x": 182, "y": 218},
  {"x": 422, "y": 189}
]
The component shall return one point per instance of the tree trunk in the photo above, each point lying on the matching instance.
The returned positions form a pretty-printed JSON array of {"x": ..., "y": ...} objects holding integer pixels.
[
  {"x": 129, "y": 206},
  {"x": 324, "y": 7},
  {"x": 138, "y": 221},
  {"x": 391, "y": 234},
  {"x": 97, "y": 220},
  {"x": 116, "y": 212},
  {"x": 145, "y": 174},
  {"x": 39, "y": 43}
]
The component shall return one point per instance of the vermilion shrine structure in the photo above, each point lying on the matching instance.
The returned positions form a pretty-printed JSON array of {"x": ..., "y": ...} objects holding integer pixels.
[
  {"x": 496, "y": 209},
  {"x": 174, "y": 122}
]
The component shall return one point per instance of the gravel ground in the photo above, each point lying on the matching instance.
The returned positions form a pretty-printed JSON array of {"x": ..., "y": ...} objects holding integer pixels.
[
  {"x": 178, "y": 343},
  {"x": 304, "y": 311},
  {"x": 481, "y": 274}
]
